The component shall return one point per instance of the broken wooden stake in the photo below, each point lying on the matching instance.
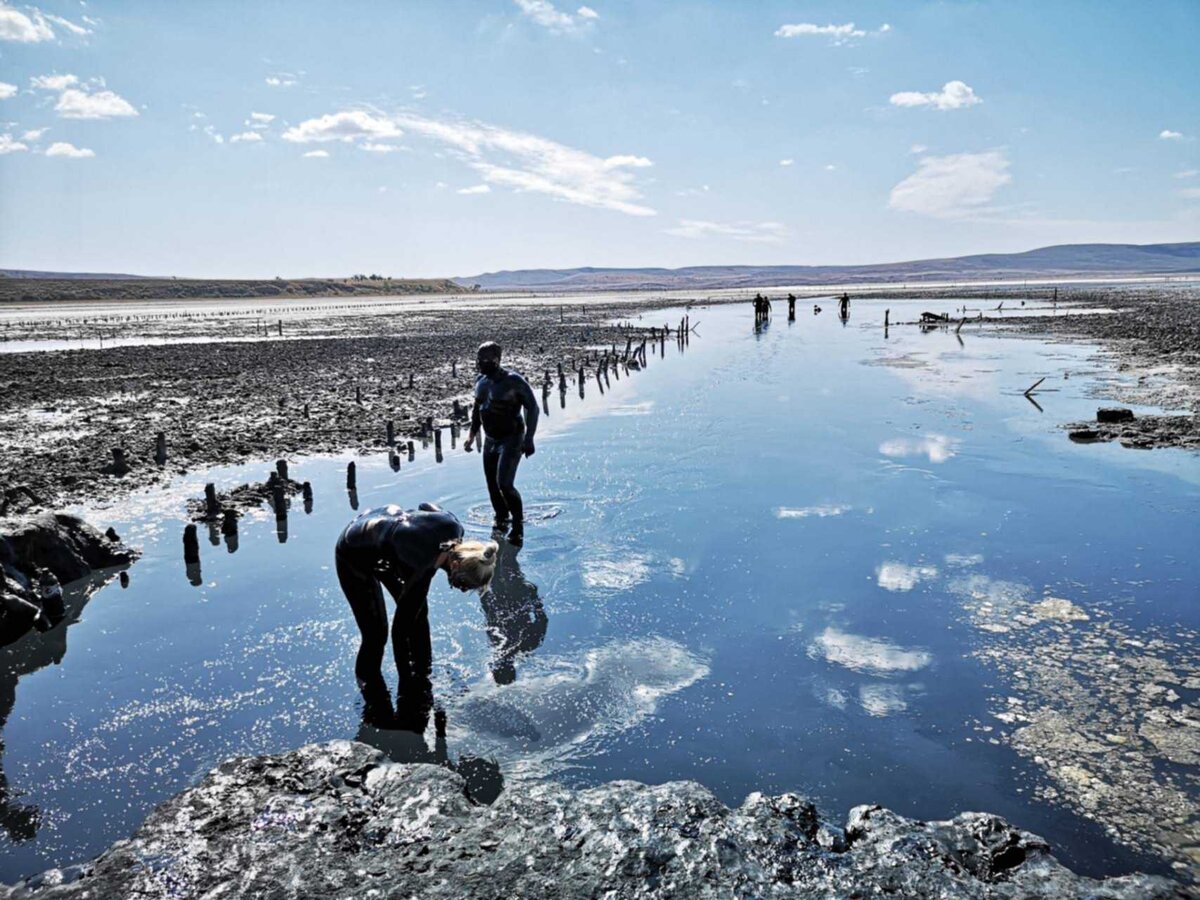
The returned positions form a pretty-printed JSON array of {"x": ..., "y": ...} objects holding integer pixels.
[{"x": 1033, "y": 387}]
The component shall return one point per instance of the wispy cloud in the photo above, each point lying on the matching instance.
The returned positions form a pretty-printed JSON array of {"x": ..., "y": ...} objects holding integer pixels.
[
  {"x": 750, "y": 232},
  {"x": 937, "y": 447},
  {"x": 53, "y": 82},
  {"x": 259, "y": 120},
  {"x": 7, "y": 90},
  {"x": 378, "y": 148},
  {"x": 838, "y": 35},
  {"x": 34, "y": 134},
  {"x": 246, "y": 137},
  {"x": 1168, "y": 135},
  {"x": 281, "y": 80},
  {"x": 24, "y": 29},
  {"x": 70, "y": 151},
  {"x": 528, "y": 162},
  {"x": 348, "y": 126},
  {"x": 317, "y": 154},
  {"x": 1187, "y": 173},
  {"x": 78, "y": 30},
  {"x": 9, "y": 145},
  {"x": 786, "y": 162},
  {"x": 952, "y": 187},
  {"x": 475, "y": 189},
  {"x": 953, "y": 95},
  {"x": 553, "y": 19}
]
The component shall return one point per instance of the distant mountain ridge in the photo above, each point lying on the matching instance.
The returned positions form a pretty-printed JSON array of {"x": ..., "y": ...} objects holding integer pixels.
[{"x": 1059, "y": 261}]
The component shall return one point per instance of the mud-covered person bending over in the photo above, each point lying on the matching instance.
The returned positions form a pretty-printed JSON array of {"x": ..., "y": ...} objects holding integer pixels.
[
  {"x": 500, "y": 398},
  {"x": 403, "y": 550}
]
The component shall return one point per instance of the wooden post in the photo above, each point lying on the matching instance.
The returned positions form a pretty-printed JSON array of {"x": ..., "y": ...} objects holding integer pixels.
[
  {"x": 412, "y": 451},
  {"x": 562, "y": 378},
  {"x": 229, "y": 523},
  {"x": 391, "y": 433},
  {"x": 454, "y": 367},
  {"x": 279, "y": 500},
  {"x": 281, "y": 468},
  {"x": 211, "y": 506},
  {"x": 281, "y": 327},
  {"x": 308, "y": 496},
  {"x": 119, "y": 464},
  {"x": 306, "y": 410},
  {"x": 191, "y": 545},
  {"x": 410, "y": 381},
  {"x": 351, "y": 476},
  {"x": 160, "y": 448},
  {"x": 437, "y": 444},
  {"x": 886, "y": 313}
]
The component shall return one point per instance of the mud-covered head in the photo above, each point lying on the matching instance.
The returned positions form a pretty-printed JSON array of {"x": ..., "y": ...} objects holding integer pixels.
[
  {"x": 487, "y": 358},
  {"x": 470, "y": 565}
]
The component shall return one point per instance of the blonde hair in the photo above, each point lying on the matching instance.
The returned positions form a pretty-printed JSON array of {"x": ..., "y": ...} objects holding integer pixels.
[{"x": 474, "y": 562}]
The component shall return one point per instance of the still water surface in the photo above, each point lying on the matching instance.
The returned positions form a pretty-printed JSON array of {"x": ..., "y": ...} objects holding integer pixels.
[{"x": 759, "y": 565}]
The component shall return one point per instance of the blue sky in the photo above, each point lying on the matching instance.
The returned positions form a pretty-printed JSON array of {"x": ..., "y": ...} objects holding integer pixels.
[{"x": 448, "y": 138}]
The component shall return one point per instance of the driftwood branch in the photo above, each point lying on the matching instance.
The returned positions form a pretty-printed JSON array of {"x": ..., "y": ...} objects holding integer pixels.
[{"x": 1033, "y": 387}]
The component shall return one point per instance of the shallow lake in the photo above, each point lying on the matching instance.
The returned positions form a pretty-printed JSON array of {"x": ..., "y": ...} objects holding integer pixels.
[{"x": 806, "y": 558}]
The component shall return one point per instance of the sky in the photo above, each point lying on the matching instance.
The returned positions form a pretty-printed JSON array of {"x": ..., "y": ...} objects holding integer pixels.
[{"x": 435, "y": 138}]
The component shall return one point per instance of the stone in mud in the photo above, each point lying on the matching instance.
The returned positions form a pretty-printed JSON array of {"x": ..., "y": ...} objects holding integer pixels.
[
  {"x": 1114, "y": 414},
  {"x": 337, "y": 821}
]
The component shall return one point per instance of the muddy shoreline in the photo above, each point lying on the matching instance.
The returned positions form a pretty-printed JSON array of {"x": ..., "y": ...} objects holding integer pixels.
[{"x": 330, "y": 383}]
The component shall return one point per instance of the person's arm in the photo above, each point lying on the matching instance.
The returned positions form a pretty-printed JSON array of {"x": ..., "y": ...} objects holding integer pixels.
[
  {"x": 473, "y": 434},
  {"x": 531, "y": 413}
]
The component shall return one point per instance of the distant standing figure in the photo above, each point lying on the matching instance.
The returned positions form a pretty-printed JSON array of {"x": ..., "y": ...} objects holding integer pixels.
[
  {"x": 791, "y": 306},
  {"x": 844, "y": 306},
  {"x": 500, "y": 398},
  {"x": 402, "y": 550}
]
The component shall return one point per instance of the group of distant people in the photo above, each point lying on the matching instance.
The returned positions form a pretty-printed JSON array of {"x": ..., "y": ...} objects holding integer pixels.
[
  {"x": 762, "y": 308},
  {"x": 402, "y": 551}
]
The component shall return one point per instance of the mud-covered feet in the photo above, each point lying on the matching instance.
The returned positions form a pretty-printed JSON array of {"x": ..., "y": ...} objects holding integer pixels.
[{"x": 516, "y": 534}]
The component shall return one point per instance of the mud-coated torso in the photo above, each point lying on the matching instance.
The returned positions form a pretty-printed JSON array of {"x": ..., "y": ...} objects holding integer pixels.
[
  {"x": 499, "y": 399},
  {"x": 405, "y": 542}
]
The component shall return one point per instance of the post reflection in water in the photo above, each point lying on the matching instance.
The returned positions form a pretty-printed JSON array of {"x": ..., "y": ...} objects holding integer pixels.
[{"x": 516, "y": 620}]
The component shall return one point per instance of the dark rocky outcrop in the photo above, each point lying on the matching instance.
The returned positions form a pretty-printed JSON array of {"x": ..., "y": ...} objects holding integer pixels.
[
  {"x": 335, "y": 820},
  {"x": 40, "y": 554},
  {"x": 1141, "y": 433}
]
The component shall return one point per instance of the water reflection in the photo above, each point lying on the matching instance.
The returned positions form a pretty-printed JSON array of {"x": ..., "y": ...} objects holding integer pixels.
[
  {"x": 516, "y": 619},
  {"x": 36, "y": 650}
]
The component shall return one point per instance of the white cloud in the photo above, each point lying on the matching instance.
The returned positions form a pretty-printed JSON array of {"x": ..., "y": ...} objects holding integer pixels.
[
  {"x": 864, "y": 654},
  {"x": 281, "y": 80},
  {"x": 317, "y": 154},
  {"x": 34, "y": 134},
  {"x": 786, "y": 162},
  {"x": 830, "y": 168},
  {"x": 79, "y": 104},
  {"x": 894, "y": 576},
  {"x": 62, "y": 148},
  {"x": 8, "y": 145},
  {"x": 550, "y": 17},
  {"x": 808, "y": 512},
  {"x": 917, "y": 148},
  {"x": 839, "y": 35},
  {"x": 259, "y": 120},
  {"x": 378, "y": 148},
  {"x": 938, "y": 447},
  {"x": 246, "y": 137},
  {"x": 527, "y": 162},
  {"x": 69, "y": 25},
  {"x": 347, "y": 126},
  {"x": 7, "y": 90},
  {"x": 475, "y": 189},
  {"x": 1168, "y": 135},
  {"x": 953, "y": 95},
  {"x": 16, "y": 26},
  {"x": 952, "y": 187},
  {"x": 52, "y": 82},
  {"x": 750, "y": 232}
]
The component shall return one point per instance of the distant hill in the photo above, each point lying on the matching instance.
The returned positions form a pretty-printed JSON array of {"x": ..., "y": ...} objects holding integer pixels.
[{"x": 1061, "y": 261}]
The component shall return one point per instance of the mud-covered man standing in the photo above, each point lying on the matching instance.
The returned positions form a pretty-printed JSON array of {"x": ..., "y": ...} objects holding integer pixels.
[{"x": 500, "y": 398}]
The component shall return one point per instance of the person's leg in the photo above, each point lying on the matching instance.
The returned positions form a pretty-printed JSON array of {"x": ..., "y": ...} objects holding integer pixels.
[
  {"x": 506, "y": 476},
  {"x": 410, "y": 636},
  {"x": 366, "y": 602},
  {"x": 491, "y": 464}
]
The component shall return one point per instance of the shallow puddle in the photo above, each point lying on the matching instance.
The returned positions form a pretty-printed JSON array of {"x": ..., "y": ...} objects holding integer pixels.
[{"x": 804, "y": 558}]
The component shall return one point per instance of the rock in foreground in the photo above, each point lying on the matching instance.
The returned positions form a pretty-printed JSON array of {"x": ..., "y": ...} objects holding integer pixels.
[{"x": 335, "y": 820}]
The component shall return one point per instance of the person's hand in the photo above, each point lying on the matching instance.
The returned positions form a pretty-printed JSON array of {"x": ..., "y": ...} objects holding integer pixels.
[
  {"x": 470, "y": 444},
  {"x": 528, "y": 449}
]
